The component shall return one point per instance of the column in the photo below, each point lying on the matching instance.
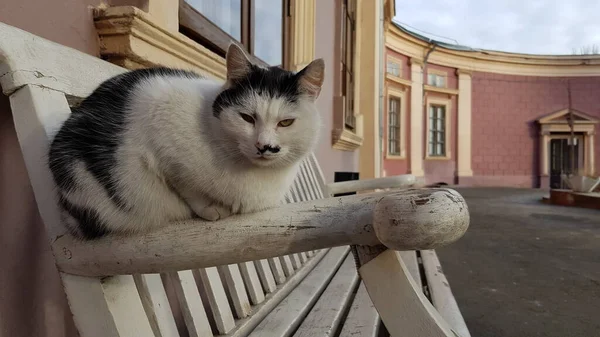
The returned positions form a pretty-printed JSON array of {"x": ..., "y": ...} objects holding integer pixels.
[
  {"x": 416, "y": 118},
  {"x": 590, "y": 154},
  {"x": 367, "y": 84},
  {"x": 464, "y": 123},
  {"x": 544, "y": 159}
]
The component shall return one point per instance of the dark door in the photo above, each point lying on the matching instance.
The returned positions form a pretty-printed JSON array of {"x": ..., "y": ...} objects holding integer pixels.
[{"x": 560, "y": 160}]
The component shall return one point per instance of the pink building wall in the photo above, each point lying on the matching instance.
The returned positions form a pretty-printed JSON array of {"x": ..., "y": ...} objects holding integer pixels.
[{"x": 505, "y": 136}]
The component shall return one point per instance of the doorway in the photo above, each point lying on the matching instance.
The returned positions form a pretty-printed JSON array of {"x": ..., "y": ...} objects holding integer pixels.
[{"x": 560, "y": 159}]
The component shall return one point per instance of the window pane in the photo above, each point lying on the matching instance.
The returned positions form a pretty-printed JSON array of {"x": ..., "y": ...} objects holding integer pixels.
[
  {"x": 439, "y": 150},
  {"x": 226, "y": 14},
  {"x": 440, "y": 81},
  {"x": 439, "y": 125},
  {"x": 431, "y": 149},
  {"x": 268, "y": 31},
  {"x": 430, "y": 79}
]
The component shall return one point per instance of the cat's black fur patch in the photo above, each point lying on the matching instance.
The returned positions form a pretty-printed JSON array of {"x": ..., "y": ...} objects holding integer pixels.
[
  {"x": 93, "y": 132},
  {"x": 93, "y": 228},
  {"x": 272, "y": 82}
]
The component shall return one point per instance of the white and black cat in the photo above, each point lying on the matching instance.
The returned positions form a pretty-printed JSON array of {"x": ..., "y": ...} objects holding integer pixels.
[{"x": 152, "y": 146}]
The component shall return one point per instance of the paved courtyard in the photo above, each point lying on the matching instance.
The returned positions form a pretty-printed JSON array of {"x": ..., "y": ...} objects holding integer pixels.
[{"x": 524, "y": 268}]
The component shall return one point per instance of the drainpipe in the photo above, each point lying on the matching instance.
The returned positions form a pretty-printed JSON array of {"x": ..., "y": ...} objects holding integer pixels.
[
  {"x": 433, "y": 45},
  {"x": 382, "y": 68}
]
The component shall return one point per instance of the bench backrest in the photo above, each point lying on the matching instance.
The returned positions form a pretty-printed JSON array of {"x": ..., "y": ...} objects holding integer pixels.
[{"x": 43, "y": 80}]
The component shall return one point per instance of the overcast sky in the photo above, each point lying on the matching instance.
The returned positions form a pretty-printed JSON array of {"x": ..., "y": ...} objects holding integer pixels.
[{"x": 523, "y": 26}]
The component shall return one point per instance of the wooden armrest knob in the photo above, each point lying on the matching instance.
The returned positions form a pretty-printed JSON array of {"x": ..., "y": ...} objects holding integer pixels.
[{"x": 420, "y": 218}]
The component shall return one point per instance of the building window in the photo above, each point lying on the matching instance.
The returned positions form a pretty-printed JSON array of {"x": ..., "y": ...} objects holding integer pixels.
[
  {"x": 437, "y": 131},
  {"x": 436, "y": 80},
  {"x": 393, "y": 68},
  {"x": 394, "y": 126},
  {"x": 257, "y": 25},
  {"x": 348, "y": 52}
]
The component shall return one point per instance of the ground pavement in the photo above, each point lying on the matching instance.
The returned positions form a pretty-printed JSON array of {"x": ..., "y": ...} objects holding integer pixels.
[{"x": 525, "y": 268}]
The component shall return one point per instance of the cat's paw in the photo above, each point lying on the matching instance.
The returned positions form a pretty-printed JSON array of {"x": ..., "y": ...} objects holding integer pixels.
[{"x": 214, "y": 213}]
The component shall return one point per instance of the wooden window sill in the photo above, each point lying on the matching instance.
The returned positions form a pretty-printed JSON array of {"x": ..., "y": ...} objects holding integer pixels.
[{"x": 131, "y": 38}]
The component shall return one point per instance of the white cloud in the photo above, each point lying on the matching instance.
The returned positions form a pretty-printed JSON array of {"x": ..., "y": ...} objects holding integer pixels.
[{"x": 522, "y": 26}]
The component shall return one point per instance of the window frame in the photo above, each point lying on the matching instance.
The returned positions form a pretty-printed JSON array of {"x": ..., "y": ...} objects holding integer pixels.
[
  {"x": 438, "y": 73},
  {"x": 202, "y": 30},
  {"x": 348, "y": 61},
  {"x": 400, "y": 94},
  {"x": 447, "y": 105},
  {"x": 396, "y": 61}
]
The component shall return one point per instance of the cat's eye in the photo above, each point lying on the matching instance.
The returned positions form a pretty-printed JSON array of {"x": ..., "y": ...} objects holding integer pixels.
[
  {"x": 286, "y": 122},
  {"x": 247, "y": 118}
]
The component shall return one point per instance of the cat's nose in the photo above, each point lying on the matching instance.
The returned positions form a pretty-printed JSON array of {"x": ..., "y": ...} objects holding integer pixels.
[{"x": 265, "y": 148}]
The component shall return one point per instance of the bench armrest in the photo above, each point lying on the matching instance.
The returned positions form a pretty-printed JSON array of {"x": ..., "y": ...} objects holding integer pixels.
[
  {"x": 401, "y": 220},
  {"x": 398, "y": 181}
]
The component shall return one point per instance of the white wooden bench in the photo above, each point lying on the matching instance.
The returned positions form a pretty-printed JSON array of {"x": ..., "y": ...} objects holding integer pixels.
[{"x": 272, "y": 273}]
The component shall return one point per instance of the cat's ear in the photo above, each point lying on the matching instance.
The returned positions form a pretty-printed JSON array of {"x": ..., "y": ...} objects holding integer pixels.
[
  {"x": 310, "y": 79},
  {"x": 238, "y": 65}
]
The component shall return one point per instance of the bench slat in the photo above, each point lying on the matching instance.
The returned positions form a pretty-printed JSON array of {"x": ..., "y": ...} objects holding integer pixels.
[
  {"x": 234, "y": 286},
  {"x": 363, "y": 319},
  {"x": 393, "y": 290},
  {"x": 441, "y": 295},
  {"x": 277, "y": 270},
  {"x": 259, "y": 312},
  {"x": 255, "y": 290},
  {"x": 303, "y": 257},
  {"x": 314, "y": 180},
  {"x": 327, "y": 314},
  {"x": 286, "y": 263},
  {"x": 190, "y": 303},
  {"x": 320, "y": 178},
  {"x": 299, "y": 190},
  {"x": 285, "y": 318},
  {"x": 266, "y": 277},
  {"x": 155, "y": 301},
  {"x": 63, "y": 69},
  {"x": 294, "y": 193},
  {"x": 217, "y": 300},
  {"x": 304, "y": 183},
  {"x": 126, "y": 306},
  {"x": 296, "y": 261},
  {"x": 409, "y": 257}
]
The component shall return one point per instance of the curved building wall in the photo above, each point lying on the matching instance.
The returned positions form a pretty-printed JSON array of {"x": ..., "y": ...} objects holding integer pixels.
[{"x": 507, "y": 114}]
